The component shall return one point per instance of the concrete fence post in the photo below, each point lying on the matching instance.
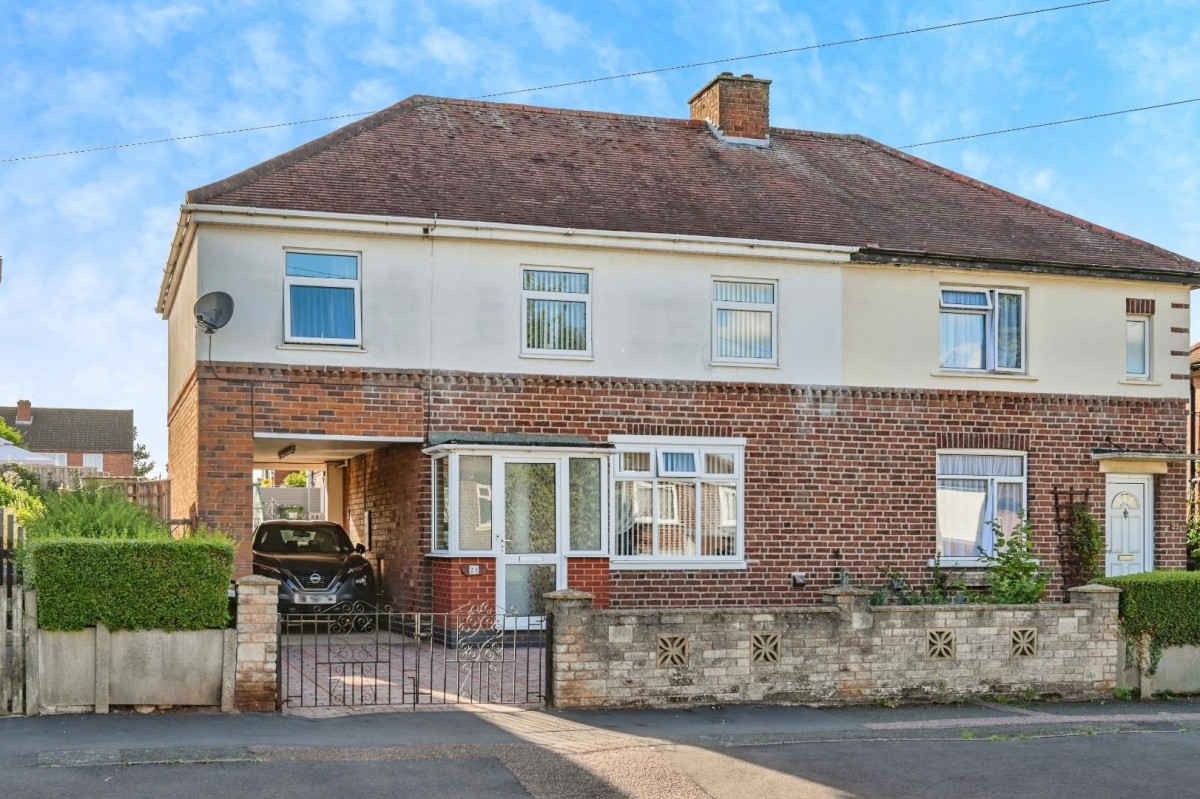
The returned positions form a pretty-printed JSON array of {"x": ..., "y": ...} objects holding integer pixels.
[
  {"x": 256, "y": 686},
  {"x": 567, "y": 613},
  {"x": 854, "y": 603}
]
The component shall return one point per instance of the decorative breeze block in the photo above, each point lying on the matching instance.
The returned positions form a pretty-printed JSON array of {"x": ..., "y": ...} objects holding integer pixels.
[
  {"x": 672, "y": 651},
  {"x": 765, "y": 648},
  {"x": 939, "y": 644},
  {"x": 1024, "y": 642}
]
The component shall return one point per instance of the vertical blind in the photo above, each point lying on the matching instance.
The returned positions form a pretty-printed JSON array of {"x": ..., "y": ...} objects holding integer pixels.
[
  {"x": 322, "y": 312},
  {"x": 744, "y": 332},
  {"x": 553, "y": 324},
  {"x": 1008, "y": 331}
]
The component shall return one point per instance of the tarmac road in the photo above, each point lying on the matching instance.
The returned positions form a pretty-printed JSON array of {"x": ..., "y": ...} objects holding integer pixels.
[{"x": 1098, "y": 750}]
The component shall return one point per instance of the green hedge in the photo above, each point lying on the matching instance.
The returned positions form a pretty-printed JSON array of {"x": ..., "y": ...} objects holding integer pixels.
[
  {"x": 1165, "y": 605},
  {"x": 148, "y": 584}
]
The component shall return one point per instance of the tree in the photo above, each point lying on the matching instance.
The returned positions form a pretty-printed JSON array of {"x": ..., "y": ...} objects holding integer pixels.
[
  {"x": 142, "y": 465},
  {"x": 11, "y": 433}
]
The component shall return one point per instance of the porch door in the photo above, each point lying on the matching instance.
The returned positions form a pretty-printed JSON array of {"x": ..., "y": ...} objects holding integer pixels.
[
  {"x": 1128, "y": 525},
  {"x": 530, "y": 562}
]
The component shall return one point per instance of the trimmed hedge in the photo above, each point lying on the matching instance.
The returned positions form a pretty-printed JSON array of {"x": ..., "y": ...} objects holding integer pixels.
[
  {"x": 130, "y": 584},
  {"x": 1164, "y": 605}
]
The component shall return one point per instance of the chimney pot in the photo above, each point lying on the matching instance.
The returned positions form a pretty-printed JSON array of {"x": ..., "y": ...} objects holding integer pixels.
[
  {"x": 24, "y": 412},
  {"x": 738, "y": 107}
]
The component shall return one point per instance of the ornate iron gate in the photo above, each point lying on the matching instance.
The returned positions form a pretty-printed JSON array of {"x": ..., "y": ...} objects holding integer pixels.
[{"x": 359, "y": 655}]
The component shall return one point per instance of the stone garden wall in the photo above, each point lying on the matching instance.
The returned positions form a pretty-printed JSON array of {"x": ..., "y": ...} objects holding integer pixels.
[{"x": 844, "y": 652}]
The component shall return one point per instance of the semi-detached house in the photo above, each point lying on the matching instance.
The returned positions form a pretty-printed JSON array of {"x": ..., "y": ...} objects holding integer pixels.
[{"x": 668, "y": 361}]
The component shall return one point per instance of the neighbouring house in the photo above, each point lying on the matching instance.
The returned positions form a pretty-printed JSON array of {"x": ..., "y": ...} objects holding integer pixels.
[
  {"x": 668, "y": 361},
  {"x": 93, "y": 438}
]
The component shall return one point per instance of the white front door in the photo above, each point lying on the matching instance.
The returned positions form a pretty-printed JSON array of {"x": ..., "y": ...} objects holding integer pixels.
[
  {"x": 528, "y": 517},
  {"x": 1129, "y": 525}
]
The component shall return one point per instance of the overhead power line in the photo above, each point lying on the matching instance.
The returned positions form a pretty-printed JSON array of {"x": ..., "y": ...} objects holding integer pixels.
[
  {"x": 1050, "y": 124},
  {"x": 581, "y": 82}
]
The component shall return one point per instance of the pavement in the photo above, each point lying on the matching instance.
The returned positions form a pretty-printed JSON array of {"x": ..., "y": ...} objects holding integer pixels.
[{"x": 1064, "y": 750}]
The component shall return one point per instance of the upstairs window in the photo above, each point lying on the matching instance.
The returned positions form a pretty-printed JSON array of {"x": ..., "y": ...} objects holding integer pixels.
[
  {"x": 1137, "y": 347},
  {"x": 556, "y": 313},
  {"x": 982, "y": 330},
  {"x": 321, "y": 298},
  {"x": 744, "y": 322}
]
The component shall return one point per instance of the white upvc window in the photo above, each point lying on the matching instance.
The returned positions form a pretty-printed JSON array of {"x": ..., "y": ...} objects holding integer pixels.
[
  {"x": 556, "y": 313},
  {"x": 978, "y": 491},
  {"x": 677, "y": 503},
  {"x": 745, "y": 324},
  {"x": 322, "y": 301},
  {"x": 94, "y": 460},
  {"x": 982, "y": 330},
  {"x": 468, "y": 504},
  {"x": 59, "y": 458},
  {"x": 1137, "y": 347}
]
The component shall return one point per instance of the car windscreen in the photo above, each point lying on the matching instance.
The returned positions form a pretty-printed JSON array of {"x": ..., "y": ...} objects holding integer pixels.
[{"x": 288, "y": 540}]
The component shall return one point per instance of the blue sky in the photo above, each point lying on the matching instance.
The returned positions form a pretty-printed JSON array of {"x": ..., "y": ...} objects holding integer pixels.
[{"x": 84, "y": 237}]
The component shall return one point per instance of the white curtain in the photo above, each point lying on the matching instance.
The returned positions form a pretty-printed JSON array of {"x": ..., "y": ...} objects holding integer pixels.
[
  {"x": 1008, "y": 331},
  {"x": 322, "y": 312},
  {"x": 962, "y": 340},
  {"x": 960, "y": 517},
  {"x": 981, "y": 465}
]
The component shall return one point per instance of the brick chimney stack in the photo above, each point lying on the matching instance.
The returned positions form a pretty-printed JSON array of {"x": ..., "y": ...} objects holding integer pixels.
[
  {"x": 24, "y": 412},
  {"x": 739, "y": 108}
]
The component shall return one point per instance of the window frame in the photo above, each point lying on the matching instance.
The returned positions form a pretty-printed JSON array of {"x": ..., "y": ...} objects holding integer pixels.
[
  {"x": 730, "y": 305},
  {"x": 60, "y": 458},
  {"x": 338, "y": 283},
  {"x": 94, "y": 455},
  {"x": 556, "y": 296},
  {"x": 990, "y": 502},
  {"x": 500, "y": 456},
  {"x": 991, "y": 338},
  {"x": 657, "y": 481},
  {"x": 1147, "y": 321}
]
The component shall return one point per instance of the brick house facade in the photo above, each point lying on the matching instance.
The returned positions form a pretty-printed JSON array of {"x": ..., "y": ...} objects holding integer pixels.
[
  {"x": 681, "y": 392},
  {"x": 98, "y": 438}
]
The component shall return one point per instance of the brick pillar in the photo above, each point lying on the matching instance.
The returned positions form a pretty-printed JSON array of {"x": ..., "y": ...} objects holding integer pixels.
[
  {"x": 1103, "y": 630},
  {"x": 256, "y": 680},
  {"x": 854, "y": 603},
  {"x": 568, "y": 611}
]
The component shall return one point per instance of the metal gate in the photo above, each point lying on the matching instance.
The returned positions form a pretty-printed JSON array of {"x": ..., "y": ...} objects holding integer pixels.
[{"x": 353, "y": 655}]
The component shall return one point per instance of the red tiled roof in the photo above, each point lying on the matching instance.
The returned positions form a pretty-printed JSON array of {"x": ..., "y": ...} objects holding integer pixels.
[{"x": 494, "y": 162}]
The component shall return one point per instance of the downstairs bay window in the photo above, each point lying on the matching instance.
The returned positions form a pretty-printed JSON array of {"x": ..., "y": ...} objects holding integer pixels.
[
  {"x": 977, "y": 492},
  {"x": 677, "y": 504}
]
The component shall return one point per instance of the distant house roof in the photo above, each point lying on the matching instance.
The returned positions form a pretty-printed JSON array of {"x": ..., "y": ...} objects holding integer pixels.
[
  {"x": 75, "y": 429},
  {"x": 494, "y": 162}
]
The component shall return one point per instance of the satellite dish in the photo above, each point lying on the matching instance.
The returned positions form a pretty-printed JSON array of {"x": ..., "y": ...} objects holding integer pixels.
[{"x": 213, "y": 311}]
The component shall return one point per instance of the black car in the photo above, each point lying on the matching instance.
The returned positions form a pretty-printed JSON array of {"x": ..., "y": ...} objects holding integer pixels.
[{"x": 315, "y": 564}]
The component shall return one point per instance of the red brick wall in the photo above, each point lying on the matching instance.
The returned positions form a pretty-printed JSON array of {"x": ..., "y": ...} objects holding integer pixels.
[
  {"x": 183, "y": 452},
  {"x": 390, "y": 483},
  {"x": 836, "y": 477},
  {"x": 453, "y": 590},
  {"x": 738, "y": 106},
  {"x": 591, "y": 575}
]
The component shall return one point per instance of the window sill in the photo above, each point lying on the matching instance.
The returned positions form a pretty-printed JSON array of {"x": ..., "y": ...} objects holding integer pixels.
[
  {"x": 965, "y": 563},
  {"x": 483, "y": 553},
  {"x": 557, "y": 356},
  {"x": 322, "y": 347},
  {"x": 745, "y": 364},
  {"x": 1138, "y": 381},
  {"x": 675, "y": 565},
  {"x": 983, "y": 374}
]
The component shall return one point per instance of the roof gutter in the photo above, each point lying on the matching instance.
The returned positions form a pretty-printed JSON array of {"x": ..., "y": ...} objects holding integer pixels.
[
  {"x": 181, "y": 242},
  {"x": 880, "y": 255},
  {"x": 462, "y": 229}
]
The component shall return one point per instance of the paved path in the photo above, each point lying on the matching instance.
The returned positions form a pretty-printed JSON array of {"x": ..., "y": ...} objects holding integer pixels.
[{"x": 1091, "y": 751}]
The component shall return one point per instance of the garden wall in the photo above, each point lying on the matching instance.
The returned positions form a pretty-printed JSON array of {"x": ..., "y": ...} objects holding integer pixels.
[{"x": 842, "y": 653}]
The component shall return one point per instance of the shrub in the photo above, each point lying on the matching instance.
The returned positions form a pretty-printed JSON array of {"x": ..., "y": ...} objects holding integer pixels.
[
  {"x": 146, "y": 584},
  {"x": 296, "y": 480},
  {"x": 1158, "y": 609},
  {"x": 18, "y": 496},
  {"x": 1014, "y": 575},
  {"x": 1082, "y": 558},
  {"x": 95, "y": 511}
]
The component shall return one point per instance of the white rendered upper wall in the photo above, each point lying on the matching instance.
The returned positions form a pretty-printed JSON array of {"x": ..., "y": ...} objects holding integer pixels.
[{"x": 452, "y": 301}]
